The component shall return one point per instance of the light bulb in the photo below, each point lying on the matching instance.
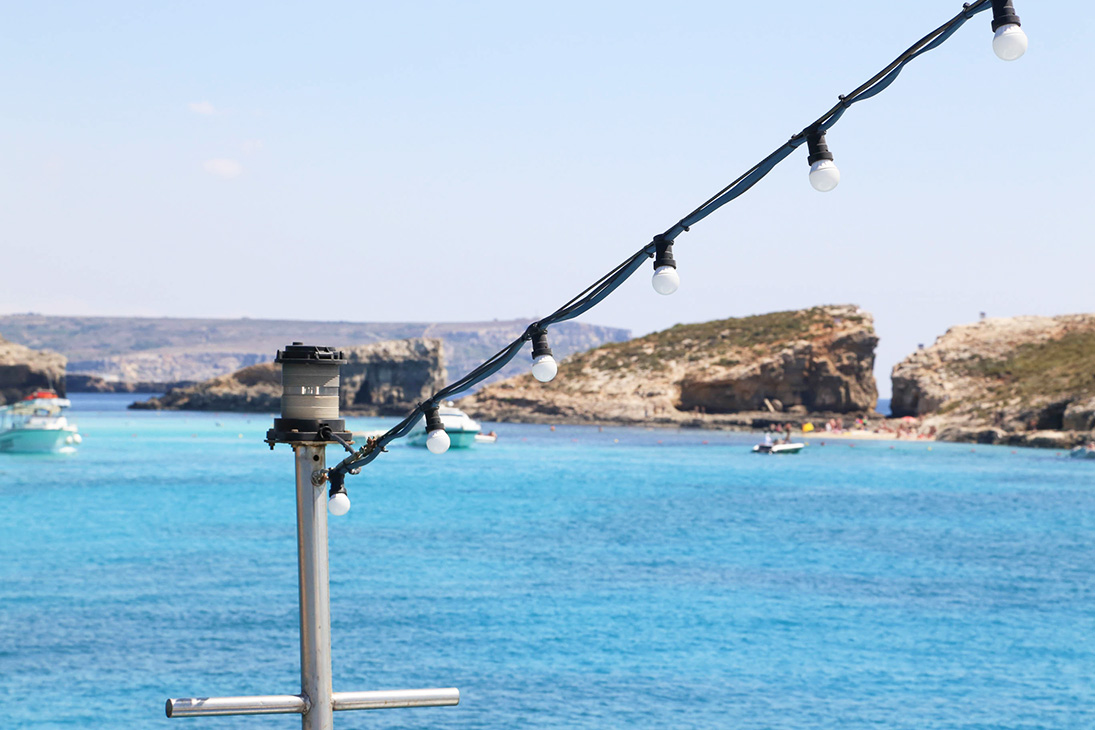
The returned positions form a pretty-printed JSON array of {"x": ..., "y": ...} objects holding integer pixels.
[
  {"x": 544, "y": 368},
  {"x": 438, "y": 441},
  {"x": 824, "y": 176},
  {"x": 1010, "y": 42},
  {"x": 666, "y": 280},
  {"x": 339, "y": 504}
]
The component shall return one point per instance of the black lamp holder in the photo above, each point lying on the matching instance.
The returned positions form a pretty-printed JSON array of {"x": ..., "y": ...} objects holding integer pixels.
[
  {"x": 1003, "y": 13},
  {"x": 540, "y": 343},
  {"x": 815, "y": 143}
]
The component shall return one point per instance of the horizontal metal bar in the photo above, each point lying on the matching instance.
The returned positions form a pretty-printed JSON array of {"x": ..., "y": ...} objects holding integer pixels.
[
  {"x": 287, "y": 704},
  {"x": 257, "y": 705},
  {"x": 391, "y": 698}
]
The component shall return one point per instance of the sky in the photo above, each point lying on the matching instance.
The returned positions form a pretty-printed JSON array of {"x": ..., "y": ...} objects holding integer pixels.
[{"x": 430, "y": 161}]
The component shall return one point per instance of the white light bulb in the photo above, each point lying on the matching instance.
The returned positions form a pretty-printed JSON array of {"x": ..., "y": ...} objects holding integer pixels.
[
  {"x": 824, "y": 176},
  {"x": 666, "y": 280},
  {"x": 339, "y": 504},
  {"x": 544, "y": 368},
  {"x": 438, "y": 441},
  {"x": 1010, "y": 42}
]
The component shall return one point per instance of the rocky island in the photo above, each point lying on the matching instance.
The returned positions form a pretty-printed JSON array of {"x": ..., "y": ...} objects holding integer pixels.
[
  {"x": 380, "y": 378},
  {"x": 24, "y": 370},
  {"x": 744, "y": 372},
  {"x": 1024, "y": 381}
]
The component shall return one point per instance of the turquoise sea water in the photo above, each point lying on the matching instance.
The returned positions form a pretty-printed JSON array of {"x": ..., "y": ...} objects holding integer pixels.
[{"x": 576, "y": 578}]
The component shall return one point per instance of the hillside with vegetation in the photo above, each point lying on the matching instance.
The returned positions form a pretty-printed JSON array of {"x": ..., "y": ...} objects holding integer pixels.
[
  {"x": 1021, "y": 381},
  {"x": 794, "y": 363}
]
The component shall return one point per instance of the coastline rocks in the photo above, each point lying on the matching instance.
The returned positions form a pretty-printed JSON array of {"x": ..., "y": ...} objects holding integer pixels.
[
  {"x": 23, "y": 371},
  {"x": 256, "y": 388},
  {"x": 1021, "y": 381},
  {"x": 384, "y": 377},
  {"x": 794, "y": 363}
]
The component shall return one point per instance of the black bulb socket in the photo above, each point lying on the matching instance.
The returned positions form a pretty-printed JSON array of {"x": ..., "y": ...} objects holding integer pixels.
[
  {"x": 664, "y": 253},
  {"x": 540, "y": 344},
  {"x": 815, "y": 143},
  {"x": 433, "y": 420},
  {"x": 1003, "y": 13},
  {"x": 337, "y": 480}
]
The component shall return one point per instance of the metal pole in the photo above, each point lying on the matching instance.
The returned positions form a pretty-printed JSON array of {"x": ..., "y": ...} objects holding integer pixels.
[
  {"x": 315, "y": 598},
  {"x": 386, "y": 699},
  {"x": 259, "y": 705},
  {"x": 309, "y": 409}
]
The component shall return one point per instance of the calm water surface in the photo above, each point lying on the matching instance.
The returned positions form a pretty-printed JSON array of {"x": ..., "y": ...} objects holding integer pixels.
[{"x": 576, "y": 578}]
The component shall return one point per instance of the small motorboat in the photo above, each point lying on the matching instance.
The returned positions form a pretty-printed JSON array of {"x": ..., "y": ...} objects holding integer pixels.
[
  {"x": 778, "y": 448},
  {"x": 35, "y": 425},
  {"x": 486, "y": 438},
  {"x": 1083, "y": 452},
  {"x": 461, "y": 428}
]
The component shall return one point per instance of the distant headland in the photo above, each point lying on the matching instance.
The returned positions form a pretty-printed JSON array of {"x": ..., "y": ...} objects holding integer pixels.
[
  {"x": 1024, "y": 381},
  {"x": 154, "y": 353}
]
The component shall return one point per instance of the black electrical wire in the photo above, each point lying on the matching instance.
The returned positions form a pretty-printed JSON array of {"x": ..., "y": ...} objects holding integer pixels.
[{"x": 608, "y": 283}]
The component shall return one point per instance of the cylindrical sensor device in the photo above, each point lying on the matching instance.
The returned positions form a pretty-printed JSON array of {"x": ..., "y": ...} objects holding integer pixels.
[
  {"x": 309, "y": 396},
  {"x": 309, "y": 382}
]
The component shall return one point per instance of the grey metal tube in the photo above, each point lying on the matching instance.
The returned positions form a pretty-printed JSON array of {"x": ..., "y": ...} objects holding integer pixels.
[
  {"x": 385, "y": 699},
  {"x": 315, "y": 596},
  {"x": 309, "y": 390},
  {"x": 257, "y": 705}
]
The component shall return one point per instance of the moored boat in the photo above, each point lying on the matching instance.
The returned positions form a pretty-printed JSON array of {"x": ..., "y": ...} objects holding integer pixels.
[
  {"x": 486, "y": 438},
  {"x": 778, "y": 448},
  {"x": 36, "y": 425},
  {"x": 461, "y": 428}
]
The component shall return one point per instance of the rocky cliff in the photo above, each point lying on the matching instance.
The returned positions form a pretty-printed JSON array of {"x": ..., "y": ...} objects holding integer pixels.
[
  {"x": 809, "y": 361},
  {"x": 1023, "y": 381},
  {"x": 391, "y": 377},
  {"x": 380, "y": 378},
  {"x": 23, "y": 371}
]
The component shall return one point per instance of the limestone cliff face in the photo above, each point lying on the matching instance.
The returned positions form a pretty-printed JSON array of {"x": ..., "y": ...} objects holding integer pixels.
[
  {"x": 384, "y": 377},
  {"x": 1021, "y": 381},
  {"x": 23, "y": 371},
  {"x": 392, "y": 377},
  {"x": 815, "y": 360}
]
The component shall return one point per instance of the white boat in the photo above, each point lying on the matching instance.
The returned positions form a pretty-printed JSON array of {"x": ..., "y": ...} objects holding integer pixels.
[
  {"x": 461, "y": 428},
  {"x": 1083, "y": 452},
  {"x": 778, "y": 448},
  {"x": 486, "y": 438},
  {"x": 35, "y": 425}
]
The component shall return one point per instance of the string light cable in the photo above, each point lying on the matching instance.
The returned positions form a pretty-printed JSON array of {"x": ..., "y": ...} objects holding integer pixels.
[{"x": 1009, "y": 43}]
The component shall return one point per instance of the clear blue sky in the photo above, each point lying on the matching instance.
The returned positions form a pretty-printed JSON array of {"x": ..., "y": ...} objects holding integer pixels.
[{"x": 462, "y": 161}]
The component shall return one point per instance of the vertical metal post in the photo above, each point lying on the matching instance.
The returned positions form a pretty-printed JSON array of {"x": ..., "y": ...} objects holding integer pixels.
[
  {"x": 315, "y": 591},
  {"x": 309, "y": 409}
]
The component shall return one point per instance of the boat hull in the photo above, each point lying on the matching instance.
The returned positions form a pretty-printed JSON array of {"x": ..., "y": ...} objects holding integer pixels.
[
  {"x": 778, "y": 448},
  {"x": 39, "y": 440}
]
